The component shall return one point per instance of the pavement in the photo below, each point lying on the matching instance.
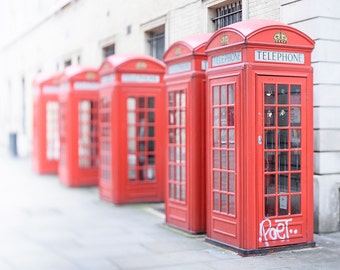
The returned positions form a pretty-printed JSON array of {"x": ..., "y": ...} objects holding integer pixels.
[{"x": 45, "y": 225}]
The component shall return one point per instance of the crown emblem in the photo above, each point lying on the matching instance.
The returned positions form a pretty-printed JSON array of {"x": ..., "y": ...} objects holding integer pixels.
[
  {"x": 178, "y": 51},
  {"x": 224, "y": 40},
  {"x": 141, "y": 65},
  {"x": 280, "y": 37}
]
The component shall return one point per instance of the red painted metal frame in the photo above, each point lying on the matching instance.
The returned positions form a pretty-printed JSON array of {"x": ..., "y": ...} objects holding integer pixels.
[
  {"x": 78, "y": 84},
  {"x": 186, "y": 197},
  {"x": 46, "y": 89},
  {"x": 248, "y": 230},
  {"x": 125, "y": 78}
]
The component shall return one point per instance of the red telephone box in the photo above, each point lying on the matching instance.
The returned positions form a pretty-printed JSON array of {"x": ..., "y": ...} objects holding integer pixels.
[
  {"x": 45, "y": 152},
  {"x": 78, "y": 165},
  {"x": 185, "y": 84},
  {"x": 132, "y": 129},
  {"x": 260, "y": 137}
]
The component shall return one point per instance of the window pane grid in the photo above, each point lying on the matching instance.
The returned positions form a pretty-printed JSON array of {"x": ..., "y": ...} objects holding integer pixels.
[
  {"x": 88, "y": 134},
  {"x": 106, "y": 144},
  {"x": 141, "y": 138},
  {"x": 52, "y": 130},
  {"x": 282, "y": 149},
  {"x": 223, "y": 150},
  {"x": 177, "y": 144}
]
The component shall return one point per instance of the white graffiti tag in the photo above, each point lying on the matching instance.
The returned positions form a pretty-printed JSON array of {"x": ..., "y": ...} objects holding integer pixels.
[{"x": 275, "y": 231}]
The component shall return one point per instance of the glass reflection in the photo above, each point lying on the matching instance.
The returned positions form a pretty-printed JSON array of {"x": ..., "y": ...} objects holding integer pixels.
[
  {"x": 295, "y": 94},
  {"x": 282, "y": 114},
  {"x": 295, "y": 161},
  {"x": 283, "y": 138},
  {"x": 283, "y": 161},
  {"x": 269, "y": 161},
  {"x": 231, "y": 94},
  {"x": 282, "y": 93},
  {"x": 295, "y": 182},
  {"x": 295, "y": 204},
  {"x": 269, "y": 186},
  {"x": 295, "y": 135},
  {"x": 215, "y": 95},
  {"x": 269, "y": 93},
  {"x": 223, "y": 94},
  {"x": 283, "y": 183},
  {"x": 269, "y": 139},
  {"x": 270, "y": 206},
  {"x": 269, "y": 116},
  {"x": 295, "y": 117}
]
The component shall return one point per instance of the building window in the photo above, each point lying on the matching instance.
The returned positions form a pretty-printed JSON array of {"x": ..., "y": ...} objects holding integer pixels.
[
  {"x": 67, "y": 63},
  {"x": 227, "y": 14},
  {"x": 108, "y": 50},
  {"x": 156, "y": 41}
]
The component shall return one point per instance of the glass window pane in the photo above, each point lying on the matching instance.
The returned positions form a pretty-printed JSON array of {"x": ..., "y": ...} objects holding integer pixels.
[
  {"x": 132, "y": 174},
  {"x": 295, "y": 117},
  {"x": 216, "y": 203},
  {"x": 131, "y": 132},
  {"x": 216, "y": 184},
  {"x": 295, "y": 206},
  {"x": 183, "y": 102},
  {"x": 223, "y": 138},
  {"x": 171, "y": 99},
  {"x": 283, "y": 183},
  {"x": 283, "y": 139},
  {"x": 269, "y": 162},
  {"x": 230, "y": 116},
  {"x": 223, "y": 181},
  {"x": 151, "y": 159},
  {"x": 223, "y": 116},
  {"x": 131, "y": 118},
  {"x": 269, "y": 187},
  {"x": 141, "y": 102},
  {"x": 231, "y": 138},
  {"x": 295, "y": 161},
  {"x": 132, "y": 146},
  {"x": 283, "y": 161},
  {"x": 216, "y": 155},
  {"x": 151, "y": 102},
  {"x": 231, "y": 205},
  {"x": 224, "y": 203},
  {"x": 283, "y": 205},
  {"x": 282, "y": 93},
  {"x": 131, "y": 103},
  {"x": 182, "y": 112},
  {"x": 216, "y": 138},
  {"x": 216, "y": 117},
  {"x": 215, "y": 95},
  {"x": 270, "y": 206},
  {"x": 224, "y": 159},
  {"x": 295, "y": 94},
  {"x": 231, "y": 94},
  {"x": 270, "y": 139},
  {"x": 183, "y": 175},
  {"x": 231, "y": 161},
  {"x": 151, "y": 117},
  {"x": 269, "y": 94},
  {"x": 223, "y": 94},
  {"x": 282, "y": 114},
  {"x": 295, "y": 182},
  {"x": 151, "y": 131},
  {"x": 231, "y": 182},
  {"x": 269, "y": 116},
  {"x": 151, "y": 146},
  {"x": 171, "y": 135},
  {"x": 295, "y": 136}
]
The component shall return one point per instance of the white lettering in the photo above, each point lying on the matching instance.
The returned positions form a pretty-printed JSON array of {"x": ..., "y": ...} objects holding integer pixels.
[
  {"x": 279, "y": 57},
  {"x": 86, "y": 86},
  {"x": 228, "y": 58},
  {"x": 181, "y": 67},
  {"x": 107, "y": 78},
  {"x": 275, "y": 231},
  {"x": 141, "y": 78},
  {"x": 49, "y": 89}
]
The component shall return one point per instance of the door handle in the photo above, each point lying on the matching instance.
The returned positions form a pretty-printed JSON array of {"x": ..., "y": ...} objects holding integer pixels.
[{"x": 259, "y": 139}]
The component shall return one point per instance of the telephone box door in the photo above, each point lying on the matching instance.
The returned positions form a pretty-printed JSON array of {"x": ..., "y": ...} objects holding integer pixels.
[
  {"x": 282, "y": 162},
  {"x": 223, "y": 99}
]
